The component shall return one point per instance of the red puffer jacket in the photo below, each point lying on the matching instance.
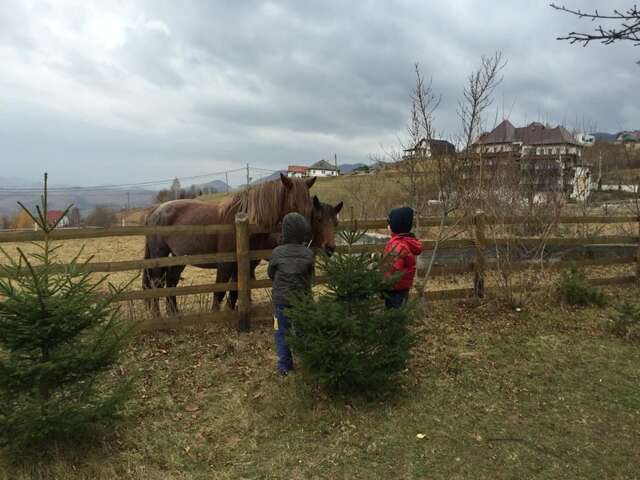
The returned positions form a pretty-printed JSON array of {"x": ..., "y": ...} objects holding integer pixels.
[{"x": 404, "y": 248}]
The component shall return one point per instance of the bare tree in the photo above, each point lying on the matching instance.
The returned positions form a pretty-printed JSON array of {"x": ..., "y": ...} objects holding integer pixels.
[
  {"x": 627, "y": 26},
  {"x": 413, "y": 160},
  {"x": 101, "y": 216},
  {"x": 477, "y": 96}
]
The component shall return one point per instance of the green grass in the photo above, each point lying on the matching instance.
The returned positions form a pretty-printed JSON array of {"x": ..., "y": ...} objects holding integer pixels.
[{"x": 545, "y": 393}]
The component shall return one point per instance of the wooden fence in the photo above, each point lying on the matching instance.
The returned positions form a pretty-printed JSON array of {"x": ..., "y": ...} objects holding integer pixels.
[{"x": 243, "y": 256}]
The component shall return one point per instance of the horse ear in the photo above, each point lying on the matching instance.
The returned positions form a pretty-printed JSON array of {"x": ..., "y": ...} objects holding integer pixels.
[
  {"x": 338, "y": 207},
  {"x": 286, "y": 181},
  {"x": 316, "y": 202},
  {"x": 311, "y": 181}
]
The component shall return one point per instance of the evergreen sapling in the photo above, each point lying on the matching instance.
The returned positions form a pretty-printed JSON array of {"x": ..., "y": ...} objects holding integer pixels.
[
  {"x": 60, "y": 336},
  {"x": 345, "y": 338}
]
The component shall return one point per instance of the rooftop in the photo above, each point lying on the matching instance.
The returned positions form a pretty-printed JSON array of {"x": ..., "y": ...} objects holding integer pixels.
[{"x": 533, "y": 134}]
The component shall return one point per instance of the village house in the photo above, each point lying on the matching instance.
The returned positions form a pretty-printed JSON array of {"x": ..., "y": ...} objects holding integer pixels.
[
  {"x": 429, "y": 148},
  {"x": 321, "y": 168},
  {"x": 548, "y": 159},
  {"x": 630, "y": 140},
  {"x": 54, "y": 216},
  {"x": 297, "y": 171}
]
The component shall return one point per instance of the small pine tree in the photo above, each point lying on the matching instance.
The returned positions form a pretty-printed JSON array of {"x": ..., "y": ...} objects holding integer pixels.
[
  {"x": 624, "y": 320},
  {"x": 576, "y": 290},
  {"x": 59, "y": 338},
  {"x": 346, "y": 339}
]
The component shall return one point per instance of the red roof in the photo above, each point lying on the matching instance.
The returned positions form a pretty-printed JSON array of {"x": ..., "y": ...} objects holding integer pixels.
[
  {"x": 53, "y": 216},
  {"x": 297, "y": 169}
]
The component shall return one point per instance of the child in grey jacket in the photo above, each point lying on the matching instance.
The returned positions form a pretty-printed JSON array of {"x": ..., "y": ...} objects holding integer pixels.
[{"x": 291, "y": 268}]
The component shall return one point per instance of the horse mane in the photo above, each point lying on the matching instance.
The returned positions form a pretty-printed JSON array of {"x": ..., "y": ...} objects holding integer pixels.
[{"x": 268, "y": 202}]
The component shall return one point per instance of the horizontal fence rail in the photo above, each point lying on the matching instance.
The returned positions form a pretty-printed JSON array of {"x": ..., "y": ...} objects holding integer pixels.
[
  {"x": 480, "y": 242},
  {"x": 229, "y": 229}
]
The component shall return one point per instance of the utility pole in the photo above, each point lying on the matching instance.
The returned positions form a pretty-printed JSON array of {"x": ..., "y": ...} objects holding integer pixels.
[
  {"x": 126, "y": 214},
  {"x": 226, "y": 176},
  {"x": 248, "y": 177}
]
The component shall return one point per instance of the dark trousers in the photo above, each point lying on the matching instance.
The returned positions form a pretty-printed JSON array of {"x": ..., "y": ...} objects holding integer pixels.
[
  {"x": 396, "y": 298},
  {"x": 285, "y": 360}
]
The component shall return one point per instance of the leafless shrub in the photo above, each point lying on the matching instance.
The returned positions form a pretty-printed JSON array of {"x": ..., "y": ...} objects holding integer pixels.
[{"x": 101, "y": 216}]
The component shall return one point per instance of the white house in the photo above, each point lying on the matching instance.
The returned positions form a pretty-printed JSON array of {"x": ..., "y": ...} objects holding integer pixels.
[
  {"x": 318, "y": 169},
  {"x": 323, "y": 169}
]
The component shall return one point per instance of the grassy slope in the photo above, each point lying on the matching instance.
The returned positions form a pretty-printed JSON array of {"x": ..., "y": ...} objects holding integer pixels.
[
  {"x": 367, "y": 192},
  {"x": 498, "y": 394}
]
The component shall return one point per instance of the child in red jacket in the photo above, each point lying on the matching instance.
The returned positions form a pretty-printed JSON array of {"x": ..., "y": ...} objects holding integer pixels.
[{"x": 403, "y": 249}]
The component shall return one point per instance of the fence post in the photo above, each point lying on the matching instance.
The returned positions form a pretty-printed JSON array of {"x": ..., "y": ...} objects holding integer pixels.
[
  {"x": 479, "y": 262},
  {"x": 244, "y": 270}
]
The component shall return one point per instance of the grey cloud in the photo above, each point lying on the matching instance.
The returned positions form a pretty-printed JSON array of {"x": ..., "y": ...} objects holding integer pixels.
[{"x": 338, "y": 72}]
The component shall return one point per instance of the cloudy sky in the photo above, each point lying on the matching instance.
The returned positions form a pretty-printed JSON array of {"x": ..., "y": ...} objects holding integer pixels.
[{"x": 125, "y": 91}]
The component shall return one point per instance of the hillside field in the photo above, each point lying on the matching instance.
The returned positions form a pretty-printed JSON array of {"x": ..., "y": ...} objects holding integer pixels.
[{"x": 490, "y": 393}]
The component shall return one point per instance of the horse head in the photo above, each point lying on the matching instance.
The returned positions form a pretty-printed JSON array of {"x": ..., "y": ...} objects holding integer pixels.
[
  {"x": 324, "y": 220},
  {"x": 296, "y": 197}
]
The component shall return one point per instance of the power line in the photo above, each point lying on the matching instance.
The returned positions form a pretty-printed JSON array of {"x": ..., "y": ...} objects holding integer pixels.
[{"x": 122, "y": 185}]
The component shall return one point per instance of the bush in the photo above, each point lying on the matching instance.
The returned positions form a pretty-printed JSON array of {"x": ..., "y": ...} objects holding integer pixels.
[
  {"x": 624, "y": 320},
  {"x": 576, "y": 290},
  {"x": 59, "y": 338},
  {"x": 346, "y": 339},
  {"x": 101, "y": 217}
]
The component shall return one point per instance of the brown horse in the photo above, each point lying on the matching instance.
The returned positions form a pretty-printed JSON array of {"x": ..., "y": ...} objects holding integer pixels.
[
  {"x": 324, "y": 220},
  {"x": 266, "y": 204}
]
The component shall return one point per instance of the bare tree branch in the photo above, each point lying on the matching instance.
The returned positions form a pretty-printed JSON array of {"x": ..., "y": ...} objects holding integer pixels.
[
  {"x": 478, "y": 95},
  {"x": 628, "y": 28}
]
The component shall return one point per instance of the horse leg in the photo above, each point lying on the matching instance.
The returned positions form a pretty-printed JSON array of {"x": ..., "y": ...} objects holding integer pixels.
[
  {"x": 233, "y": 295},
  {"x": 223, "y": 274},
  {"x": 173, "y": 278},
  {"x": 153, "y": 278}
]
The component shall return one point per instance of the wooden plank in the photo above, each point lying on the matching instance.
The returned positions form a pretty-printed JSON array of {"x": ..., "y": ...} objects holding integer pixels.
[
  {"x": 84, "y": 233},
  {"x": 566, "y": 242},
  {"x": 244, "y": 270},
  {"x": 106, "y": 267},
  {"x": 226, "y": 229},
  {"x": 621, "y": 280},
  {"x": 377, "y": 224},
  {"x": 178, "y": 291}
]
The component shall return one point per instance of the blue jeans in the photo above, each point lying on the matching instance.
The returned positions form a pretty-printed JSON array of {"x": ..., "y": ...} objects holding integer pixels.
[
  {"x": 285, "y": 360},
  {"x": 396, "y": 298}
]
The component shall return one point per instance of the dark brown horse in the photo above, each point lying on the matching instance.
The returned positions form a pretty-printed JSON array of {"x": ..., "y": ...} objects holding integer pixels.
[
  {"x": 324, "y": 220},
  {"x": 266, "y": 204}
]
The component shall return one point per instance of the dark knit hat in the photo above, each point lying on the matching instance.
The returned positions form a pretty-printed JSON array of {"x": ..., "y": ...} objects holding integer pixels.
[
  {"x": 295, "y": 229},
  {"x": 401, "y": 220}
]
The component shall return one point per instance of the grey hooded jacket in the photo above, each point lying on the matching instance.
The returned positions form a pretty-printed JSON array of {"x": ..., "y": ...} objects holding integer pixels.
[{"x": 292, "y": 263}]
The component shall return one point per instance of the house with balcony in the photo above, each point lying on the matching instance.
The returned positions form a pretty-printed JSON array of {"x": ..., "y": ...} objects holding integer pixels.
[{"x": 545, "y": 159}]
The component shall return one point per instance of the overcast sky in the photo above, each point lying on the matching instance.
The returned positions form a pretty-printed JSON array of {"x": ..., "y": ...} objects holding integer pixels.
[{"x": 123, "y": 91}]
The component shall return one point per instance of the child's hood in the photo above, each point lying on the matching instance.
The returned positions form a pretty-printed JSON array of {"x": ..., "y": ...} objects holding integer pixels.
[
  {"x": 295, "y": 229},
  {"x": 409, "y": 241}
]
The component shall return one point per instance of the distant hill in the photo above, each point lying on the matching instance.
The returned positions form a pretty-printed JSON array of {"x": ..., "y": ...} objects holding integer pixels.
[
  {"x": 13, "y": 190},
  {"x": 217, "y": 185}
]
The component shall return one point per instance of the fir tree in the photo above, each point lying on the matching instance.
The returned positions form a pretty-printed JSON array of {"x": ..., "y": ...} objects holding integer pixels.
[
  {"x": 346, "y": 339},
  {"x": 59, "y": 338}
]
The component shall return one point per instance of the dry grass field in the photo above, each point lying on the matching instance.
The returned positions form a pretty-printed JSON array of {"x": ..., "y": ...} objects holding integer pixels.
[{"x": 494, "y": 393}]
